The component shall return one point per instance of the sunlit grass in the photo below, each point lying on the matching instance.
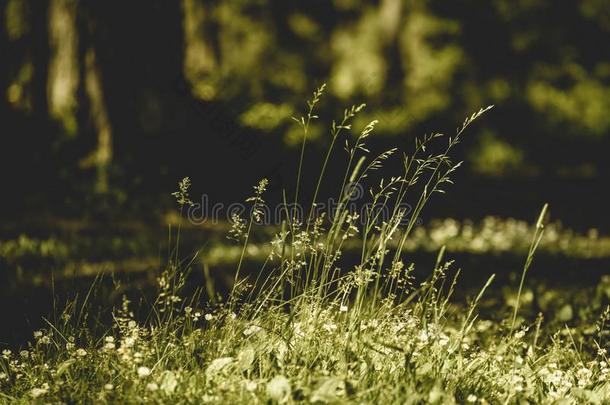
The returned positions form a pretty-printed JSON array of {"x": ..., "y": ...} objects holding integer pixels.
[
  {"x": 308, "y": 326},
  {"x": 125, "y": 254}
]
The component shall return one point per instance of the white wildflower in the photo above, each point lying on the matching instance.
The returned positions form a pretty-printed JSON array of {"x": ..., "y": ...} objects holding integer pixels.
[
  {"x": 251, "y": 330},
  {"x": 38, "y": 392},
  {"x": 443, "y": 340},
  {"x": 143, "y": 372},
  {"x": 583, "y": 376},
  {"x": 128, "y": 342},
  {"x": 329, "y": 327},
  {"x": 519, "y": 335},
  {"x": 250, "y": 386},
  {"x": 279, "y": 389}
]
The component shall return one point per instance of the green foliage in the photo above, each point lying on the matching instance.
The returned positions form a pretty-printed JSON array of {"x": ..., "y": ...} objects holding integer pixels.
[
  {"x": 583, "y": 104},
  {"x": 266, "y": 116},
  {"x": 416, "y": 61},
  {"x": 494, "y": 156}
]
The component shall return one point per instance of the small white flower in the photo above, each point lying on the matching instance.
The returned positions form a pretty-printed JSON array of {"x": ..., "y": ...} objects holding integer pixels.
[
  {"x": 279, "y": 389},
  {"x": 208, "y": 317},
  {"x": 109, "y": 346},
  {"x": 519, "y": 335},
  {"x": 329, "y": 327},
  {"x": 251, "y": 386},
  {"x": 128, "y": 342},
  {"x": 471, "y": 398},
  {"x": 209, "y": 398},
  {"x": 343, "y": 308},
  {"x": 109, "y": 339},
  {"x": 81, "y": 352},
  {"x": 443, "y": 340},
  {"x": 3, "y": 376},
  {"x": 252, "y": 329},
  {"x": 38, "y": 334},
  {"x": 152, "y": 387},
  {"x": 143, "y": 372},
  {"x": 108, "y": 387},
  {"x": 70, "y": 346},
  {"x": 37, "y": 392}
]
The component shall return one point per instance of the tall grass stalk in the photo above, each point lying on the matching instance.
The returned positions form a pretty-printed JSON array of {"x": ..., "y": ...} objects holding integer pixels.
[{"x": 536, "y": 239}]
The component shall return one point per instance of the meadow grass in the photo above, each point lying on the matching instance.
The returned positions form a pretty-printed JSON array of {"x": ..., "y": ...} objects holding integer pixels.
[{"x": 314, "y": 326}]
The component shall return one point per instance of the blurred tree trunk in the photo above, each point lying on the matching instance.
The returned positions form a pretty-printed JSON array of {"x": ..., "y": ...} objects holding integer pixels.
[
  {"x": 199, "y": 57},
  {"x": 101, "y": 157},
  {"x": 64, "y": 83},
  {"x": 390, "y": 12},
  {"x": 63, "y": 78}
]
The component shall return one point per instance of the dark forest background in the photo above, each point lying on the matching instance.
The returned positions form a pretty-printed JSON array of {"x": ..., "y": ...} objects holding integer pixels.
[{"x": 104, "y": 105}]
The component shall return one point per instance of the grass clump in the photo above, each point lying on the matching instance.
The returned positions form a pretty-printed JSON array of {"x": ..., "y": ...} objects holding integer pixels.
[{"x": 312, "y": 324}]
